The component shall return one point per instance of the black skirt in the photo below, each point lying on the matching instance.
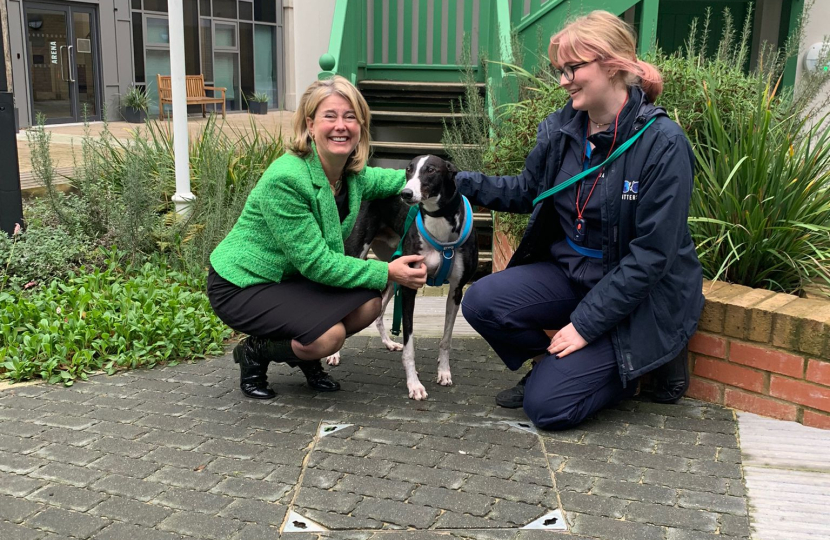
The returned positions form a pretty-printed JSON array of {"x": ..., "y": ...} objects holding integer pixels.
[{"x": 298, "y": 309}]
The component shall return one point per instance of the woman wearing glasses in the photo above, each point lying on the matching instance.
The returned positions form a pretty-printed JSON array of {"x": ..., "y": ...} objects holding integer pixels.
[{"x": 607, "y": 262}]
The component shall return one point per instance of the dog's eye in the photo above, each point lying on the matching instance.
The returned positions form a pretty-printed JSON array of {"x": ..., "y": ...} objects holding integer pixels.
[{"x": 430, "y": 169}]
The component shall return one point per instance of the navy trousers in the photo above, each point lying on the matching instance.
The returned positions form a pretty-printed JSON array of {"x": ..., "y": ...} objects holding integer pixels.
[{"x": 511, "y": 309}]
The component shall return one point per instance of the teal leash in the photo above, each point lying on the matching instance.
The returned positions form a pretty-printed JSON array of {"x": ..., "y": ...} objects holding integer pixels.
[{"x": 397, "y": 313}]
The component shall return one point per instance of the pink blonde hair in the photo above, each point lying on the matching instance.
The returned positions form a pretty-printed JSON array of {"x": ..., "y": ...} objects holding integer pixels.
[{"x": 604, "y": 37}]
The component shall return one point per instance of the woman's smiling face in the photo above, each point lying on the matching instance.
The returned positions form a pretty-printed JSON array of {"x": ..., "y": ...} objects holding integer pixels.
[
  {"x": 591, "y": 85},
  {"x": 335, "y": 128}
]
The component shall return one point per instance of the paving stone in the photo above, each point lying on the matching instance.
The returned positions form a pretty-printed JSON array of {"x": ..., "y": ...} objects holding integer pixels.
[
  {"x": 668, "y": 516},
  {"x": 387, "y": 436},
  {"x": 650, "y": 461},
  {"x": 507, "y": 453},
  {"x": 255, "y": 511},
  {"x": 694, "y": 482},
  {"x": 121, "y": 531},
  {"x": 68, "y": 454},
  {"x": 124, "y": 416},
  {"x": 736, "y": 488},
  {"x": 633, "y": 491},
  {"x": 593, "y": 504},
  {"x": 573, "y": 482},
  {"x": 67, "y": 474},
  {"x": 197, "y": 501},
  {"x": 222, "y": 431},
  {"x": 17, "y": 414},
  {"x": 21, "y": 429},
  {"x": 568, "y": 449},
  {"x": 318, "y": 499},
  {"x": 19, "y": 445},
  {"x": 611, "y": 471},
  {"x": 250, "y": 468},
  {"x": 252, "y": 489},
  {"x": 257, "y": 532},
  {"x": 178, "y": 458},
  {"x": 17, "y": 485},
  {"x": 454, "y": 446},
  {"x": 452, "y": 520},
  {"x": 353, "y": 465},
  {"x": 338, "y": 521},
  {"x": 375, "y": 487},
  {"x": 200, "y": 525},
  {"x": 682, "y": 534},
  {"x": 125, "y": 466},
  {"x": 12, "y": 463},
  {"x": 122, "y": 447},
  {"x": 603, "y": 527},
  {"x": 116, "y": 429},
  {"x": 185, "y": 478},
  {"x": 712, "y": 468},
  {"x": 427, "y": 476},
  {"x": 718, "y": 439},
  {"x": 735, "y": 526},
  {"x": 714, "y": 503},
  {"x": 67, "y": 523},
  {"x": 275, "y": 441},
  {"x": 662, "y": 434},
  {"x": 66, "y": 422},
  {"x": 182, "y": 441},
  {"x": 470, "y": 464},
  {"x": 455, "y": 501},
  {"x": 321, "y": 479},
  {"x": 506, "y": 489},
  {"x": 620, "y": 442},
  {"x": 142, "y": 490},
  {"x": 691, "y": 451},
  {"x": 402, "y": 514},
  {"x": 17, "y": 532},
  {"x": 508, "y": 437},
  {"x": 540, "y": 476},
  {"x": 131, "y": 511},
  {"x": 703, "y": 426},
  {"x": 68, "y": 436},
  {"x": 16, "y": 510},
  {"x": 518, "y": 514},
  {"x": 167, "y": 423},
  {"x": 334, "y": 445},
  {"x": 68, "y": 497}
]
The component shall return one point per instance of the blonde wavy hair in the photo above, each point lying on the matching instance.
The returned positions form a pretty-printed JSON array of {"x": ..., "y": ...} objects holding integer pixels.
[
  {"x": 312, "y": 97},
  {"x": 603, "y": 37}
]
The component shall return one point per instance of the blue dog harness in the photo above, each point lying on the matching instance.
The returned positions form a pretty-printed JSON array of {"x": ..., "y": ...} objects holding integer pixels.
[{"x": 447, "y": 249}]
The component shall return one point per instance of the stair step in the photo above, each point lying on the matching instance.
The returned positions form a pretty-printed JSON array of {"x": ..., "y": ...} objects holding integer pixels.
[
  {"x": 412, "y": 148},
  {"x": 414, "y": 116},
  {"x": 416, "y": 86}
]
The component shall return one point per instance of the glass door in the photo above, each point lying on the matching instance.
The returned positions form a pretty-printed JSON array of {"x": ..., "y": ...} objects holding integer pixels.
[{"x": 63, "y": 62}]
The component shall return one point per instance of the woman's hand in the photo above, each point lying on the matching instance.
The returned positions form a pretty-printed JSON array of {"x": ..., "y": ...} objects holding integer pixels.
[
  {"x": 413, "y": 277},
  {"x": 566, "y": 341}
]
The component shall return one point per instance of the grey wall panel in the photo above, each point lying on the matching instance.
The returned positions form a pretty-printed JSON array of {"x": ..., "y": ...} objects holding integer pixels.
[{"x": 17, "y": 47}]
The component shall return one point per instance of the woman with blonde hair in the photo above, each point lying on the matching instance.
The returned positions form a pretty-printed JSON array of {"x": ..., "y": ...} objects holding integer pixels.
[
  {"x": 281, "y": 275},
  {"x": 607, "y": 262}
]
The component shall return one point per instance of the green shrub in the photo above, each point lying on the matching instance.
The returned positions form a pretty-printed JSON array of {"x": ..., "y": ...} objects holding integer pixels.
[{"x": 111, "y": 318}]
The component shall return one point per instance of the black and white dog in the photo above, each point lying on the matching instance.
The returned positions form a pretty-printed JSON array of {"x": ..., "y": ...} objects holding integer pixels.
[{"x": 443, "y": 234}]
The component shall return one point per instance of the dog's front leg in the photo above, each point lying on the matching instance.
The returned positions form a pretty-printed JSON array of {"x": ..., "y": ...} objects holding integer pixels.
[
  {"x": 416, "y": 389},
  {"x": 453, "y": 302},
  {"x": 384, "y": 337}
]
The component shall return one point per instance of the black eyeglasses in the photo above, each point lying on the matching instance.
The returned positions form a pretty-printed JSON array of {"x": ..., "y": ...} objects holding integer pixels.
[{"x": 568, "y": 70}]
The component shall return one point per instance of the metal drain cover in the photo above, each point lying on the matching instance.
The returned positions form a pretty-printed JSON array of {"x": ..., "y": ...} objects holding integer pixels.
[
  {"x": 298, "y": 523},
  {"x": 416, "y": 475},
  {"x": 549, "y": 522}
]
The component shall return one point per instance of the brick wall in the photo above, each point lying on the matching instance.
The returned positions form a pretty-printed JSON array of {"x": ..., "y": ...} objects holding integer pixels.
[{"x": 755, "y": 350}]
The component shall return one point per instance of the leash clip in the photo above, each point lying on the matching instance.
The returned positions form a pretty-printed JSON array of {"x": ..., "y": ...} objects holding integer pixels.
[{"x": 451, "y": 252}]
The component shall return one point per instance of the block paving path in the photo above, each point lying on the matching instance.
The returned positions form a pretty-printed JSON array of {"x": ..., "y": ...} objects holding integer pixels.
[{"x": 178, "y": 452}]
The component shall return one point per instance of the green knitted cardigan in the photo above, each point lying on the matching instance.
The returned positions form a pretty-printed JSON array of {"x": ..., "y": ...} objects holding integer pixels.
[{"x": 290, "y": 226}]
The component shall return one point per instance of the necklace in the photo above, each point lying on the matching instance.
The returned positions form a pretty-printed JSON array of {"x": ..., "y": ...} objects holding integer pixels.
[
  {"x": 597, "y": 124},
  {"x": 337, "y": 185}
]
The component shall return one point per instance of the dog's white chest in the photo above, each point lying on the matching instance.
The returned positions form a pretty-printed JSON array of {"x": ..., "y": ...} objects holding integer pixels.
[{"x": 441, "y": 230}]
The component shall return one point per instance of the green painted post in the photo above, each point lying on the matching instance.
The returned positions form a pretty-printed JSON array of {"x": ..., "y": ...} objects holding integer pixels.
[
  {"x": 467, "y": 38},
  {"x": 796, "y": 13},
  {"x": 407, "y": 32},
  {"x": 377, "y": 31},
  {"x": 452, "y": 19},
  {"x": 648, "y": 26},
  {"x": 392, "y": 25},
  {"x": 422, "y": 32},
  {"x": 436, "y": 32}
]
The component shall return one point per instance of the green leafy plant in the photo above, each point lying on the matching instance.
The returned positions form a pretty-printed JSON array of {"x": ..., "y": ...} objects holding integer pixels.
[
  {"x": 136, "y": 98},
  {"x": 116, "y": 317},
  {"x": 761, "y": 207},
  {"x": 258, "y": 97}
]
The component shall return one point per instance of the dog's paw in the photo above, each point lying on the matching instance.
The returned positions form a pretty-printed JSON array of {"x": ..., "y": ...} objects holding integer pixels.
[
  {"x": 334, "y": 359},
  {"x": 444, "y": 378},
  {"x": 393, "y": 346},
  {"x": 417, "y": 391}
]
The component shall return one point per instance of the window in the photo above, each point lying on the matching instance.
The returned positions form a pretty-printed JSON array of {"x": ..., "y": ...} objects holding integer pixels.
[
  {"x": 155, "y": 5},
  {"x": 138, "y": 46},
  {"x": 265, "y": 11},
  {"x": 224, "y": 36},
  {"x": 246, "y": 11},
  {"x": 225, "y": 9},
  {"x": 158, "y": 32}
]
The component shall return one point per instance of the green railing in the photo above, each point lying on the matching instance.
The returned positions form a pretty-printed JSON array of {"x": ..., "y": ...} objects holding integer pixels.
[{"x": 424, "y": 40}]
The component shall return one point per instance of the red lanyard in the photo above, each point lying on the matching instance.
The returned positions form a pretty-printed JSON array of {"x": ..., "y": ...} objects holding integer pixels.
[{"x": 579, "y": 211}]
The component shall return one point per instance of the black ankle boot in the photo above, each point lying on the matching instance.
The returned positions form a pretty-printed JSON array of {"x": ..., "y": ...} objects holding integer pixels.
[
  {"x": 671, "y": 380},
  {"x": 253, "y": 368},
  {"x": 317, "y": 378}
]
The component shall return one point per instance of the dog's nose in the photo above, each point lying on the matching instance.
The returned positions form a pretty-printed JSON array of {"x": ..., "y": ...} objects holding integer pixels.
[{"x": 406, "y": 194}]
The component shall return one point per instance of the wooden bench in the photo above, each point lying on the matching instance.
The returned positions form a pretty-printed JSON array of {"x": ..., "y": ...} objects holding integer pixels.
[{"x": 196, "y": 95}]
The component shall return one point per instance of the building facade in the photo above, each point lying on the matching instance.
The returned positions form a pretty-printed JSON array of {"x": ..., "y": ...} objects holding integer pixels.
[{"x": 72, "y": 60}]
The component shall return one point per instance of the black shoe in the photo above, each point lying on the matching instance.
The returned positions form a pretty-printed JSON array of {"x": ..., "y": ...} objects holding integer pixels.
[
  {"x": 253, "y": 369},
  {"x": 513, "y": 398},
  {"x": 316, "y": 377},
  {"x": 671, "y": 380}
]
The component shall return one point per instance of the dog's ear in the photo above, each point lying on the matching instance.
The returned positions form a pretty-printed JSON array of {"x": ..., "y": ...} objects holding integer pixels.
[{"x": 452, "y": 169}]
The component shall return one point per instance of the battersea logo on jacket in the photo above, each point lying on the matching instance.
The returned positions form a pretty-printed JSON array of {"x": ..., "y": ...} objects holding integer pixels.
[{"x": 630, "y": 188}]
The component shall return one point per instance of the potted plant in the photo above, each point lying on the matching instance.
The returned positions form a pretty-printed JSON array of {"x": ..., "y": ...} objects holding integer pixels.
[
  {"x": 136, "y": 102},
  {"x": 258, "y": 103}
]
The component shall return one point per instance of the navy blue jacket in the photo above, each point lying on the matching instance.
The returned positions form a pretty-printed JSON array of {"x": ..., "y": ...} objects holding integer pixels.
[{"x": 650, "y": 296}]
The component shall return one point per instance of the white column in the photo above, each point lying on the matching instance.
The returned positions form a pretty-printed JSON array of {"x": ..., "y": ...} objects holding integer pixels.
[{"x": 183, "y": 196}]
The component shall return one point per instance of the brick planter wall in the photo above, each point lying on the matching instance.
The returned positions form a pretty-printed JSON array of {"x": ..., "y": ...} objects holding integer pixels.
[{"x": 755, "y": 350}]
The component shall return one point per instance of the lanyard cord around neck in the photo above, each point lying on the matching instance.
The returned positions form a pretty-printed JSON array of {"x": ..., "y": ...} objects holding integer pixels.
[{"x": 586, "y": 154}]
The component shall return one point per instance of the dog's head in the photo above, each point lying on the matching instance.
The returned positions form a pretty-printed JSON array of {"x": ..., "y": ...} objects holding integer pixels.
[{"x": 429, "y": 179}]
